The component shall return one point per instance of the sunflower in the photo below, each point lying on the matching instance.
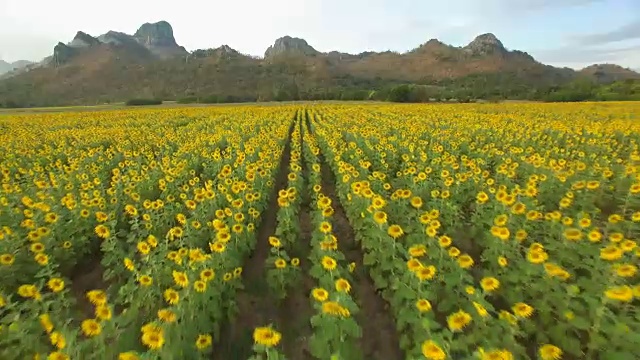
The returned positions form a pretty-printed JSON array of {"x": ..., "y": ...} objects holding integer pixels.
[
  {"x": 56, "y": 355},
  {"x": 153, "y": 339},
  {"x": 550, "y": 352},
  {"x": 57, "y": 340},
  {"x": 128, "y": 264},
  {"x": 166, "y": 315},
  {"x": 217, "y": 247},
  {"x": 295, "y": 262},
  {"x": 508, "y": 317},
  {"x": 28, "y": 291},
  {"x": 537, "y": 257},
  {"x": 453, "y": 252},
  {"x": 274, "y": 241},
  {"x": 489, "y": 284},
  {"x": 481, "y": 310},
  {"x": 36, "y": 247},
  {"x": 97, "y": 297},
  {"x": 280, "y": 263},
  {"x": 501, "y": 354},
  {"x": 207, "y": 274},
  {"x": 320, "y": 294},
  {"x": 143, "y": 247},
  {"x": 572, "y": 234},
  {"x": 457, "y": 321},
  {"x": 7, "y": 259},
  {"x": 522, "y": 310},
  {"x": 325, "y": 227},
  {"x": 482, "y": 197},
  {"x": 45, "y": 322},
  {"x": 418, "y": 250},
  {"x": 91, "y": 327},
  {"x": 328, "y": 263},
  {"x": 335, "y": 309},
  {"x": 351, "y": 267},
  {"x": 130, "y": 210},
  {"x": 42, "y": 259},
  {"x": 266, "y": 336},
  {"x": 223, "y": 236},
  {"x": 102, "y": 231},
  {"x": 416, "y": 202},
  {"x": 51, "y": 218},
  {"x": 626, "y": 270},
  {"x": 145, "y": 280},
  {"x": 103, "y": 312},
  {"x": 426, "y": 273},
  {"x": 343, "y": 285},
  {"x": 171, "y": 296},
  {"x": 380, "y": 217},
  {"x": 611, "y": 253},
  {"x": 628, "y": 245},
  {"x": 328, "y": 212},
  {"x": 395, "y": 231},
  {"x": 200, "y": 286},
  {"x": 465, "y": 261},
  {"x": 431, "y": 231},
  {"x": 470, "y": 290},
  {"x": 152, "y": 241},
  {"x": 129, "y": 355},
  {"x": 203, "y": 341},
  {"x": 444, "y": 241},
  {"x": 423, "y": 305},
  {"x": 180, "y": 278},
  {"x": 502, "y": 261},
  {"x": 324, "y": 202},
  {"x": 432, "y": 351},
  {"x": 621, "y": 293}
]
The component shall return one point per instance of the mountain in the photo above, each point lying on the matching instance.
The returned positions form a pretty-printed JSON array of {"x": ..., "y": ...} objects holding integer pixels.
[
  {"x": 152, "y": 41},
  {"x": 607, "y": 73},
  {"x": 6, "y": 67},
  {"x": 116, "y": 66},
  {"x": 288, "y": 45}
]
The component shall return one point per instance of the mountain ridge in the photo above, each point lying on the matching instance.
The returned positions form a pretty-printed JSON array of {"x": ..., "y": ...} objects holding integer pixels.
[
  {"x": 115, "y": 66},
  {"x": 6, "y": 67}
]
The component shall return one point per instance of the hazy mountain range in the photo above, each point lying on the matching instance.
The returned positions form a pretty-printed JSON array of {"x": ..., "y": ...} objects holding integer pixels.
[
  {"x": 6, "y": 67},
  {"x": 115, "y": 66}
]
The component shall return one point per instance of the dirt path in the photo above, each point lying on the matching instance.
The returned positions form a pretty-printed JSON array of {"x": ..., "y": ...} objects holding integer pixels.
[
  {"x": 379, "y": 336},
  {"x": 256, "y": 305},
  {"x": 297, "y": 306}
]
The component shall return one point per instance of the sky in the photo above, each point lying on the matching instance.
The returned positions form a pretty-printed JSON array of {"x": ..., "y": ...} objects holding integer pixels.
[{"x": 572, "y": 33}]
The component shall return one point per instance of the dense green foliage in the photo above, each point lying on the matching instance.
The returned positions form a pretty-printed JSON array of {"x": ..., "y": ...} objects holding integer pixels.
[
  {"x": 143, "y": 102},
  {"x": 231, "y": 78},
  {"x": 482, "y": 87}
]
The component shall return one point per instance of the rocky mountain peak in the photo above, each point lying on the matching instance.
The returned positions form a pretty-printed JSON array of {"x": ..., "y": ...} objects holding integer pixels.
[
  {"x": 610, "y": 72},
  {"x": 83, "y": 39},
  {"x": 485, "y": 44},
  {"x": 290, "y": 45},
  {"x": 226, "y": 49},
  {"x": 156, "y": 34},
  {"x": 158, "y": 38},
  {"x": 431, "y": 45}
]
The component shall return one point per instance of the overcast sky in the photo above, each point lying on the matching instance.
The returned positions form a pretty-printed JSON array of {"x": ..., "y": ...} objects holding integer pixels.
[{"x": 572, "y": 33}]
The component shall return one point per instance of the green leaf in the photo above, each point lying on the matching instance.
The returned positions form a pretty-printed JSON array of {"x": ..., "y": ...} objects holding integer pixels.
[
  {"x": 581, "y": 323},
  {"x": 616, "y": 355}
]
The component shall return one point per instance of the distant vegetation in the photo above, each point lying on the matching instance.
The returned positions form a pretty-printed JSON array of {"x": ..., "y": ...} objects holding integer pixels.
[
  {"x": 143, "y": 102},
  {"x": 483, "y": 87},
  {"x": 283, "y": 85}
]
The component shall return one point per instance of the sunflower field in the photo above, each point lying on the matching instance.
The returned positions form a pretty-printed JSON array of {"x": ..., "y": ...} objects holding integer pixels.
[{"x": 322, "y": 231}]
